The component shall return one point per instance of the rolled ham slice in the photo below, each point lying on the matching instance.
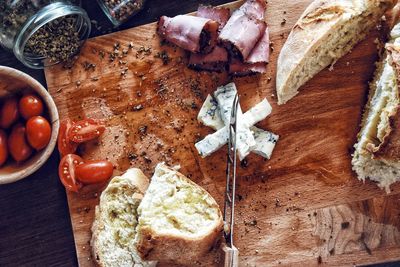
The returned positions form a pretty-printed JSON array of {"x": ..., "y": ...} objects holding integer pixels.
[
  {"x": 257, "y": 60},
  {"x": 214, "y": 61},
  {"x": 217, "y": 59},
  {"x": 238, "y": 68},
  {"x": 255, "y": 9},
  {"x": 260, "y": 53},
  {"x": 195, "y": 34},
  {"x": 241, "y": 34},
  {"x": 218, "y": 14}
]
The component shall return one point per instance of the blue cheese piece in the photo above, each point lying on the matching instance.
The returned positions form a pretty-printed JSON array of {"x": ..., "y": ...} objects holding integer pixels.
[
  {"x": 209, "y": 114},
  {"x": 245, "y": 141},
  {"x": 225, "y": 96},
  {"x": 212, "y": 142},
  {"x": 265, "y": 142},
  {"x": 257, "y": 113}
]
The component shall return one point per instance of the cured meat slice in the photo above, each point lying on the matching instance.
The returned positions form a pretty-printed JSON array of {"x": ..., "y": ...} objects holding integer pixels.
[
  {"x": 260, "y": 52},
  {"x": 214, "y": 61},
  {"x": 217, "y": 59},
  {"x": 195, "y": 34},
  {"x": 218, "y": 14},
  {"x": 241, "y": 34},
  {"x": 255, "y": 9},
  {"x": 238, "y": 68}
]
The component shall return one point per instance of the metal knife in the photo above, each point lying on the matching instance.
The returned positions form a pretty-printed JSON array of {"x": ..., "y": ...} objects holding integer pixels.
[{"x": 231, "y": 252}]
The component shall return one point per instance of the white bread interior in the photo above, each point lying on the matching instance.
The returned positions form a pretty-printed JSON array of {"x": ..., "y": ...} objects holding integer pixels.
[
  {"x": 326, "y": 31},
  {"x": 369, "y": 159},
  {"x": 113, "y": 230},
  {"x": 179, "y": 222}
]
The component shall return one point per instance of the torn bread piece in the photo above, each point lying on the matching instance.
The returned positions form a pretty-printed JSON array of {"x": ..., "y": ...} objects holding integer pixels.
[
  {"x": 326, "y": 31},
  {"x": 179, "y": 221},
  {"x": 113, "y": 230},
  {"x": 377, "y": 152}
]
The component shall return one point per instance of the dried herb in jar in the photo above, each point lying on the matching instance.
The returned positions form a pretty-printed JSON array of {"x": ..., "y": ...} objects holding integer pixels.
[
  {"x": 13, "y": 14},
  {"x": 121, "y": 10},
  {"x": 57, "y": 40}
]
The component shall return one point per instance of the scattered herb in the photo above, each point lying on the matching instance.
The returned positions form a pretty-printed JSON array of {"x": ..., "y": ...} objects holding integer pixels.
[
  {"x": 87, "y": 65},
  {"x": 163, "y": 55},
  {"x": 137, "y": 107},
  {"x": 132, "y": 156},
  {"x": 345, "y": 225}
]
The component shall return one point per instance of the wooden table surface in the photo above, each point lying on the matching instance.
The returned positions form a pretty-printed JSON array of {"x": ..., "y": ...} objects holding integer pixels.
[{"x": 35, "y": 228}]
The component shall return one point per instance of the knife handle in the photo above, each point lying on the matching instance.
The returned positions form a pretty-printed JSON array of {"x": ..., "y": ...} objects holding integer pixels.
[{"x": 231, "y": 256}]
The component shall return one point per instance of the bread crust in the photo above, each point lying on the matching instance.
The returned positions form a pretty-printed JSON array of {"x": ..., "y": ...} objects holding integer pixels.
[
  {"x": 315, "y": 27},
  {"x": 177, "y": 249},
  {"x": 389, "y": 148}
]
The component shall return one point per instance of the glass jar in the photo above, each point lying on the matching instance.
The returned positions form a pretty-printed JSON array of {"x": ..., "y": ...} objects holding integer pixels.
[
  {"x": 119, "y": 11},
  {"x": 21, "y": 21}
]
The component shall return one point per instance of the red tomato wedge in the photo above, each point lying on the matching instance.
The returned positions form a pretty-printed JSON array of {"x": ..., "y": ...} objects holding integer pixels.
[
  {"x": 65, "y": 146},
  {"x": 85, "y": 130},
  {"x": 66, "y": 172},
  {"x": 95, "y": 171}
]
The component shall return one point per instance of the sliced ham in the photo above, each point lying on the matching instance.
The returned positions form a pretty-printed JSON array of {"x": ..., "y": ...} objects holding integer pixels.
[
  {"x": 238, "y": 68},
  {"x": 255, "y": 9},
  {"x": 217, "y": 59},
  {"x": 260, "y": 53},
  {"x": 218, "y": 14},
  {"x": 241, "y": 33},
  {"x": 214, "y": 61},
  {"x": 191, "y": 33}
]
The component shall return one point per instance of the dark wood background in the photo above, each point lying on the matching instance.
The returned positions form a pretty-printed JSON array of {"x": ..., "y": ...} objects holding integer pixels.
[{"x": 35, "y": 228}]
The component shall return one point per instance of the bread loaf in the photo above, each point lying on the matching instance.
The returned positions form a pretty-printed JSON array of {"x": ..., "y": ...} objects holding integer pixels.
[{"x": 325, "y": 32}]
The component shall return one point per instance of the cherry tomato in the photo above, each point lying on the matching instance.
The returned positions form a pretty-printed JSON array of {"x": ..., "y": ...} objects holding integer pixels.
[
  {"x": 66, "y": 172},
  {"x": 9, "y": 112},
  {"x": 38, "y": 132},
  {"x": 94, "y": 171},
  {"x": 65, "y": 146},
  {"x": 17, "y": 144},
  {"x": 85, "y": 130},
  {"x": 3, "y": 147},
  {"x": 30, "y": 105}
]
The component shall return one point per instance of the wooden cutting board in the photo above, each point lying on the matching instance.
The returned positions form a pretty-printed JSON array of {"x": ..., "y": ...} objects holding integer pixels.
[{"x": 304, "y": 206}]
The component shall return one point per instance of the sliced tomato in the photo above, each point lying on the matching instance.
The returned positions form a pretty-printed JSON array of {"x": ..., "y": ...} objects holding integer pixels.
[
  {"x": 94, "y": 171},
  {"x": 65, "y": 146},
  {"x": 85, "y": 130},
  {"x": 66, "y": 172}
]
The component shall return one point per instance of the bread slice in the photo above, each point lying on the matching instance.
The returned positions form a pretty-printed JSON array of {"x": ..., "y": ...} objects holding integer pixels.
[
  {"x": 113, "y": 230},
  {"x": 179, "y": 222},
  {"x": 377, "y": 152},
  {"x": 326, "y": 31}
]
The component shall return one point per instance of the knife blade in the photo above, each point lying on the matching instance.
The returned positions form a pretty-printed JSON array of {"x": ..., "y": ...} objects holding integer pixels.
[{"x": 231, "y": 252}]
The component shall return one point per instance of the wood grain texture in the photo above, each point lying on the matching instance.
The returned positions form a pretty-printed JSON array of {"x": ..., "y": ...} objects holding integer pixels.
[{"x": 304, "y": 206}]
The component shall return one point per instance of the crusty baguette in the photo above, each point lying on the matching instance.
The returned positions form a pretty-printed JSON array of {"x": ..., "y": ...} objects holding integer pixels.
[
  {"x": 179, "y": 222},
  {"x": 377, "y": 152},
  {"x": 326, "y": 31},
  {"x": 113, "y": 230}
]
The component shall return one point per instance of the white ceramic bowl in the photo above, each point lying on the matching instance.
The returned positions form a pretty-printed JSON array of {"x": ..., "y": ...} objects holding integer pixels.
[{"x": 13, "y": 81}]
